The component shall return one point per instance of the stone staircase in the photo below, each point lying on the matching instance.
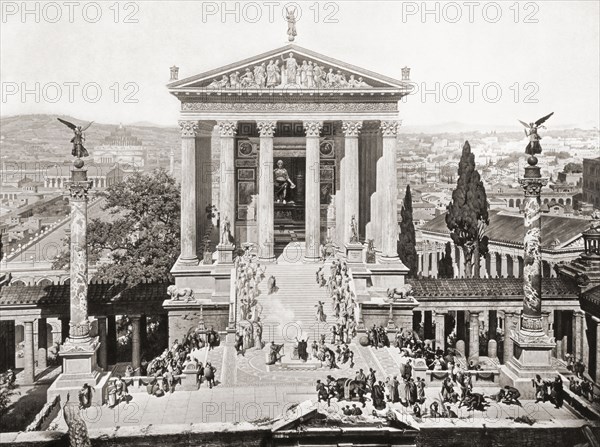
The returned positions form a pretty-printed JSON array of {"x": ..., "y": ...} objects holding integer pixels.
[{"x": 291, "y": 311}]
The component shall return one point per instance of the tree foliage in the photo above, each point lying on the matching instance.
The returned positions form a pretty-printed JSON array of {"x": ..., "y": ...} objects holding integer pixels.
[
  {"x": 467, "y": 214},
  {"x": 139, "y": 236},
  {"x": 446, "y": 269},
  {"x": 407, "y": 249}
]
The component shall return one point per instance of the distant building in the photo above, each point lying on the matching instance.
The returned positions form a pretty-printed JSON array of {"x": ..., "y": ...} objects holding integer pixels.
[
  {"x": 101, "y": 175},
  {"x": 591, "y": 181},
  {"x": 120, "y": 147}
]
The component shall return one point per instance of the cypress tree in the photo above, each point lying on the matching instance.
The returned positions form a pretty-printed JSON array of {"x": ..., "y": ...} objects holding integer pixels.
[{"x": 407, "y": 245}]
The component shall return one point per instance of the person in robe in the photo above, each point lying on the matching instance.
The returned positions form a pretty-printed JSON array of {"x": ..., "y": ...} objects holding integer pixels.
[
  {"x": 322, "y": 393},
  {"x": 209, "y": 374},
  {"x": 85, "y": 396},
  {"x": 282, "y": 184},
  {"x": 239, "y": 343},
  {"x": 112, "y": 394},
  {"x": 557, "y": 392},
  {"x": 259, "y": 75},
  {"x": 420, "y": 390},
  {"x": 395, "y": 392},
  {"x": 511, "y": 395},
  {"x": 302, "y": 349},
  {"x": 356, "y": 411},
  {"x": 321, "y": 317},
  {"x": 378, "y": 396},
  {"x": 291, "y": 68},
  {"x": 434, "y": 410},
  {"x": 314, "y": 349},
  {"x": 121, "y": 389},
  {"x": 274, "y": 355},
  {"x": 372, "y": 380}
]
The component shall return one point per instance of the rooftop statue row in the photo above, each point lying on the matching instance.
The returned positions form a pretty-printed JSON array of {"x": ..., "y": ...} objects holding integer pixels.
[{"x": 289, "y": 74}]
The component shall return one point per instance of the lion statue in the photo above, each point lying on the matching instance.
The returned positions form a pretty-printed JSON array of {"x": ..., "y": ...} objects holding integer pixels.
[
  {"x": 402, "y": 293},
  {"x": 183, "y": 294}
]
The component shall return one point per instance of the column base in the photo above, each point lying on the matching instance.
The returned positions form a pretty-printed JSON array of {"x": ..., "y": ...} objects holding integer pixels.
[
  {"x": 311, "y": 260},
  {"x": 532, "y": 355},
  {"x": 191, "y": 261},
  {"x": 354, "y": 253},
  {"x": 79, "y": 368},
  {"x": 225, "y": 253}
]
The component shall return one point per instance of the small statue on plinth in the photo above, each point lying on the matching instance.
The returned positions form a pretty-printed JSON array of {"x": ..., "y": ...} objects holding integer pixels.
[
  {"x": 282, "y": 182},
  {"x": 226, "y": 233},
  {"x": 403, "y": 293},
  {"x": 78, "y": 139},
  {"x": 353, "y": 230},
  {"x": 531, "y": 131}
]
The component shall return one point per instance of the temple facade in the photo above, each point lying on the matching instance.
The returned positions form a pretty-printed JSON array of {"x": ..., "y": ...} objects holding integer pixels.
[{"x": 331, "y": 126}]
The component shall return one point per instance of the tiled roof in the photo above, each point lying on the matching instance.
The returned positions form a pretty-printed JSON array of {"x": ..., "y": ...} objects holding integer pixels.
[
  {"x": 506, "y": 227},
  {"x": 475, "y": 287},
  {"x": 58, "y": 294}
]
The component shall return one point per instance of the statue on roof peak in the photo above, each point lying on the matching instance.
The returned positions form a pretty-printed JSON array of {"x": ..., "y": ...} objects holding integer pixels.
[{"x": 291, "y": 20}]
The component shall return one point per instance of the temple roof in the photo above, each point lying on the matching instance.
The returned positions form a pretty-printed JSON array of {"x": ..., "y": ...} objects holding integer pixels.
[
  {"x": 489, "y": 287},
  {"x": 351, "y": 77},
  {"x": 557, "y": 231}
]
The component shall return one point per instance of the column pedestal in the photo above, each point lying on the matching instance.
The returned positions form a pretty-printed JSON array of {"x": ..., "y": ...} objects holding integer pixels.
[
  {"x": 42, "y": 343},
  {"x": 354, "y": 253},
  {"x": 225, "y": 253}
]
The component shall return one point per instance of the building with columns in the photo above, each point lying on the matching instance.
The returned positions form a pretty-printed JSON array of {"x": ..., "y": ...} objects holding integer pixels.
[
  {"x": 562, "y": 242},
  {"x": 334, "y": 127}
]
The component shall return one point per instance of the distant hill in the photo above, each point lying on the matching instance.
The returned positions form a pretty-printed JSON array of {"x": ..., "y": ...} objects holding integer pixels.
[{"x": 27, "y": 137}]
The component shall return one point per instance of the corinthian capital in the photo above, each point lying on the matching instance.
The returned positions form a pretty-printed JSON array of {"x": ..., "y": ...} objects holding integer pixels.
[
  {"x": 389, "y": 128},
  {"x": 227, "y": 128},
  {"x": 189, "y": 129},
  {"x": 313, "y": 128},
  {"x": 351, "y": 128},
  {"x": 266, "y": 128}
]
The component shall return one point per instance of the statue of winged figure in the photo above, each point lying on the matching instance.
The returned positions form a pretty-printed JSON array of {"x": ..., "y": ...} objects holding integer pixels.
[
  {"x": 78, "y": 138},
  {"x": 291, "y": 20},
  {"x": 531, "y": 131}
]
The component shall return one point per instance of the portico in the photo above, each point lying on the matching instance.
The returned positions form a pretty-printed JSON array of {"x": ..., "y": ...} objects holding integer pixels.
[{"x": 309, "y": 113}]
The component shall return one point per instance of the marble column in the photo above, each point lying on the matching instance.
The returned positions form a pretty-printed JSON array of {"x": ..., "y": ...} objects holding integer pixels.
[
  {"x": 227, "y": 131},
  {"x": 532, "y": 183},
  {"x": 42, "y": 354},
  {"x": 474, "y": 336},
  {"x": 312, "y": 192},
  {"x": 388, "y": 197},
  {"x": 426, "y": 260},
  {"x": 78, "y": 187},
  {"x": 103, "y": 349},
  {"x": 504, "y": 265},
  {"x": 455, "y": 261},
  {"x": 578, "y": 334},
  {"x": 370, "y": 137},
  {"x": 434, "y": 262},
  {"x": 516, "y": 268},
  {"x": 189, "y": 131},
  {"x": 493, "y": 265},
  {"x": 420, "y": 266},
  {"x": 28, "y": 354},
  {"x": 440, "y": 331},
  {"x": 545, "y": 320},
  {"x": 461, "y": 263},
  {"x": 266, "y": 230},
  {"x": 136, "y": 359},
  {"x": 350, "y": 179},
  {"x": 509, "y": 325}
]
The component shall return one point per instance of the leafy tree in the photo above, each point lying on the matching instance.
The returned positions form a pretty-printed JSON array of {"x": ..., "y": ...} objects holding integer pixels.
[
  {"x": 467, "y": 214},
  {"x": 140, "y": 235},
  {"x": 446, "y": 269},
  {"x": 407, "y": 245},
  {"x": 573, "y": 168}
]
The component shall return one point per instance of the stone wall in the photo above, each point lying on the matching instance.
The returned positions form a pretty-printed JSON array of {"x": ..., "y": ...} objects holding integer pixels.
[
  {"x": 181, "y": 321},
  {"x": 379, "y": 314}
]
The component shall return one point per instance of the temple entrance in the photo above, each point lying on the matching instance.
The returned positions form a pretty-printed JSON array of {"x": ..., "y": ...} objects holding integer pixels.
[{"x": 289, "y": 218}]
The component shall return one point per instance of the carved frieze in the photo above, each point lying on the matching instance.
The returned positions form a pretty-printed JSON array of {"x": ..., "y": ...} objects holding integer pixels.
[{"x": 325, "y": 107}]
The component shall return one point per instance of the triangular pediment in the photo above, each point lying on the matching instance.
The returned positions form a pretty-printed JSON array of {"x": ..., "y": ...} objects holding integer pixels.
[{"x": 291, "y": 68}]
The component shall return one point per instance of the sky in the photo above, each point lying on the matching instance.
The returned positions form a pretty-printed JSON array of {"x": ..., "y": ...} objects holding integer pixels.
[{"x": 478, "y": 63}]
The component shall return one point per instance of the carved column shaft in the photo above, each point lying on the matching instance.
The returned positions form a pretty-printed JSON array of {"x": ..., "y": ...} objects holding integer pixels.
[
  {"x": 532, "y": 256},
  {"x": 189, "y": 130},
  {"x": 388, "y": 197},
  {"x": 135, "y": 342},
  {"x": 103, "y": 350},
  {"x": 503, "y": 265},
  {"x": 350, "y": 175},
  {"x": 79, "y": 327},
  {"x": 227, "y": 130},
  {"x": 440, "y": 331},
  {"x": 266, "y": 235},
  {"x": 312, "y": 199}
]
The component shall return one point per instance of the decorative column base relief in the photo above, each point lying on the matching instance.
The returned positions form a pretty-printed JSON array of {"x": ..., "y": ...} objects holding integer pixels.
[{"x": 354, "y": 253}]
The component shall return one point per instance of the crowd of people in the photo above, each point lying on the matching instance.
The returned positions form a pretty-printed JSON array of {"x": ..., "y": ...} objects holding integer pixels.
[
  {"x": 583, "y": 387},
  {"x": 249, "y": 274}
]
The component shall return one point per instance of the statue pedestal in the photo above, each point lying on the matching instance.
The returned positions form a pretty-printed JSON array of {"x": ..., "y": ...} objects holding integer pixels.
[
  {"x": 225, "y": 253},
  {"x": 79, "y": 368},
  {"x": 354, "y": 253},
  {"x": 532, "y": 356}
]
